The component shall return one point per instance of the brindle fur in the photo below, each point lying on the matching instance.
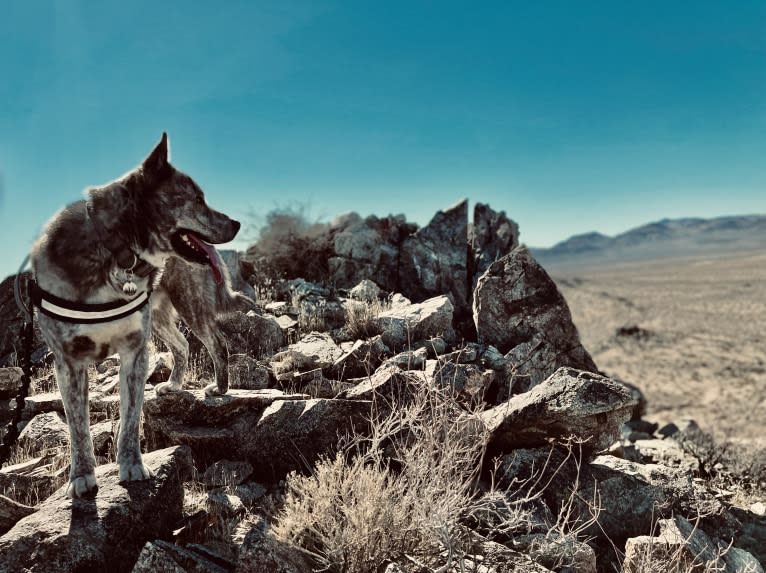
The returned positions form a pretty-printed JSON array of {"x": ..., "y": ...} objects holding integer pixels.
[{"x": 140, "y": 210}]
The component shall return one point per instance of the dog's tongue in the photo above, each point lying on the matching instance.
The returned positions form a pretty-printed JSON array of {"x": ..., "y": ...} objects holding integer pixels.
[{"x": 212, "y": 256}]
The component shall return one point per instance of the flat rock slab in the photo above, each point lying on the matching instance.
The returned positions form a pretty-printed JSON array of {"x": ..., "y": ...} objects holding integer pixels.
[
  {"x": 105, "y": 531},
  {"x": 569, "y": 403}
]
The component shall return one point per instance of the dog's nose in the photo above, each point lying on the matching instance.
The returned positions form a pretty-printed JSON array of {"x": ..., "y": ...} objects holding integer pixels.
[{"x": 237, "y": 225}]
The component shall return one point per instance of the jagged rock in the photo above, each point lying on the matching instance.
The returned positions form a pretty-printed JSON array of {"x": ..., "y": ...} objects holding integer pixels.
[
  {"x": 684, "y": 546},
  {"x": 261, "y": 552},
  {"x": 10, "y": 382},
  {"x": 569, "y": 403},
  {"x": 315, "y": 350},
  {"x": 518, "y": 309},
  {"x": 317, "y": 309},
  {"x": 492, "y": 236},
  {"x": 162, "y": 557},
  {"x": 368, "y": 249},
  {"x": 44, "y": 431},
  {"x": 366, "y": 291},
  {"x": 409, "y": 359},
  {"x": 105, "y": 532},
  {"x": 212, "y": 426},
  {"x": 221, "y": 504},
  {"x": 35, "y": 477},
  {"x": 292, "y": 434},
  {"x": 466, "y": 380},
  {"x": 227, "y": 473},
  {"x": 11, "y": 512},
  {"x": 246, "y": 373},
  {"x": 405, "y": 323},
  {"x": 252, "y": 334},
  {"x": 390, "y": 382},
  {"x": 362, "y": 358},
  {"x": 434, "y": 260}
]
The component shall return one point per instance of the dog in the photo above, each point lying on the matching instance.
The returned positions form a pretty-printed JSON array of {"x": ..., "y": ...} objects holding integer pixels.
[{"x": 94, "y": 270}]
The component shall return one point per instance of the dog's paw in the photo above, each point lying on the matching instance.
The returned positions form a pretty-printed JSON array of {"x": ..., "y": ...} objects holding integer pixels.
[
  {"x": 134, "y": 472},
  {"x": 81, "y": 485},
  {"x": 213, "y": 390},
  {"x": 166, "y": 388}
]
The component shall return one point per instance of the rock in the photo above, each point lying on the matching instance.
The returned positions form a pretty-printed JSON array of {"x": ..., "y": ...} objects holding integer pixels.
[
  {"x": 492, "y": 236},
  {"x": 317, "y": 309},
  {"x": 752, "y": 536},
  {"x": 633, "y": 430},
  {"x": 685, "y": 546},
  {"x": 368, "y": 249},
  {"x": 10, "y": 382},
  {"x": 250, "y": 492},
  {"x": 557, "y": 552},
  {"x": 667, "y": 452},
  {"x": 211, "y": 426},
  {"x": 362, "y": 359},
  {"x": 226, "y": 473},
  {"x": 246, "y": 373},
  {"x": 251, "y": 333},
  {"x": 570, "y": 402},
  {"x": 160, "y": 365},
  {"x": 434, "y": 260},
  {"x": 518, "y": 309},
  {"x": 105, "y": 532},
  {"x": 102, "y": 435},
  {"x": 389, "y": 382},
  {"x": 409, "y": 359},
  {"x": 315, "y": 350},
  {"x": 162, "y": 557},
  {"x": 467, "y": 381},
  {"x": 44, "y": 431},
  {"x": 221, "y": 504},
  {"x": 42, "y": 403},
  {"x": 292, "y": 434},
  {"x": 35, "y": 478},
  {"x": 11, "y": 512},
  {"x": 260, "y": 552},
  {"x": 366, "y": 291},
  {"x": 404, "y": 324},
  {"x": 11, "y": 325}
]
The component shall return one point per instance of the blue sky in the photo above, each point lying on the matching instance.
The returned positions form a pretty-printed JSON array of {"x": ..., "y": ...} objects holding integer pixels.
[{"x": 569, "y": 116}]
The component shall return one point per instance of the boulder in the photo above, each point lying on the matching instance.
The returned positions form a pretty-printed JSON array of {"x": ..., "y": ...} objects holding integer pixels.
[
  {"x": 467, "y": 381},
  {"x": 261, "y": 552},
  {"x": 405, "y": 324},
  {"x": 684, "y": 546},
  {"x": 570, "y": 402},
  {"x": 10, "y": 382},
  {"x": 366, "y": 291},
  {"x": 102, "y": 532},
  {"x": 247, "y": 373},
  {"x": 314, "y": 350},
  {"x": 317, "y": 308},
  {"x": 368, "y": 249},
  {"x": 389, "y": 382},
  {"x": 251, "y": 333},
  {"x": 362, "y": 358},
  {"x": 210, "y": 425},
  {"x": 434, "y": 260},
  {"x": 11, "y": 512},
  {"x": 48, "y": 430},
  {"x": 518, "y": 309},
  {"x": 162, "y": 557}
]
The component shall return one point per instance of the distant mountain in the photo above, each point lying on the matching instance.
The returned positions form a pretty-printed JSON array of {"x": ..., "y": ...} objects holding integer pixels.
[{"x": 662, "y": 239}]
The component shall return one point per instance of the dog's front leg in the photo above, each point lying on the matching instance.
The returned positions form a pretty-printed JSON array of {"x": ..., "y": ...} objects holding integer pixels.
[
  {"x": 133, "y": 371},
  {"x": 72, "y": 378}
]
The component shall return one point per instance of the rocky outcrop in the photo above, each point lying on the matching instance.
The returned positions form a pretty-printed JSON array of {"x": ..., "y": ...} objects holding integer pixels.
[
  {"x": 105, "y": 533},
  {"x": 518, "y": 309},
  {"x": 492, "y": 236},
  {"x": 570, "y": 403},
  {"x": 405, "y": 324},
  {"x": 434, "y": 260}
]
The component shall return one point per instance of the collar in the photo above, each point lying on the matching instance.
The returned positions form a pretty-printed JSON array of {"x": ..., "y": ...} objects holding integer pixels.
[
  {"x": 84, "y": 313},
  {"x": 124, "y": 256}
]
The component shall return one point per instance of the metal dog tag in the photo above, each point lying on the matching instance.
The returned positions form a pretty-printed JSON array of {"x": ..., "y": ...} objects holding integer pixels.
[{"x": 129, "y": 288}]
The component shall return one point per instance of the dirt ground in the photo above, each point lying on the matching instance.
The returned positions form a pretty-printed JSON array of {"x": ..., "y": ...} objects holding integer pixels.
[{"x": 699, "y": 350}]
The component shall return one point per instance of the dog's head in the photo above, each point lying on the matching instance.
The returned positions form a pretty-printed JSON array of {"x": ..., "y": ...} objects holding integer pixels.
[
  {"x": 174, "y": 218},
  {"x": 163, "y": 212}
]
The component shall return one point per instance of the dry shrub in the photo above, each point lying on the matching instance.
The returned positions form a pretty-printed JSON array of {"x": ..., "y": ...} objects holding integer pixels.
[
  {"x": 401, "y": 492},
  {"x": 361, "y": 318},
  {"x": 290, "y": 246}
]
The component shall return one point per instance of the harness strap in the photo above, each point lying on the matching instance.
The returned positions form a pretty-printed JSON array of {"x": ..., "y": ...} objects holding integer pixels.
[{"x": 84, "y": 313}]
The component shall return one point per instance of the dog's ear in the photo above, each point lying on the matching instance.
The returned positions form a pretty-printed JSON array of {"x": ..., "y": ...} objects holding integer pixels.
[{"x": 158, "y": 161}]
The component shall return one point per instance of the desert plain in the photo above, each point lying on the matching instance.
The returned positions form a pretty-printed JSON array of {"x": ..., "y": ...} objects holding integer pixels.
[{"x": 689, "y": 332}]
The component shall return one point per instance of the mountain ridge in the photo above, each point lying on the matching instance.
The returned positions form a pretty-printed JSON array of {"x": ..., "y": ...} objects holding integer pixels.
[{"x": 665, "y": 238}]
